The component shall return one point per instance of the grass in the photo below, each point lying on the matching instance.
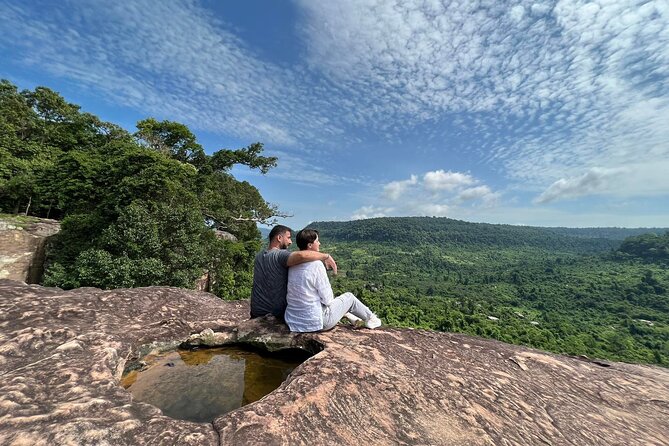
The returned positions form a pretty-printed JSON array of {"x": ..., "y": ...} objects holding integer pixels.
[{"x": 19, "y": 220}]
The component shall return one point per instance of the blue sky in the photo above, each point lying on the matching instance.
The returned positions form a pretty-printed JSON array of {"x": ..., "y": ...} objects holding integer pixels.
[{"x": 550, "y": 113}]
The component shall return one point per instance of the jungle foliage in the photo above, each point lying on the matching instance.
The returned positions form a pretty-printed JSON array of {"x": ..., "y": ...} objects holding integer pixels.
[
  {"x": 549, "y": 288},
  {"x": 136, "y": 209}
]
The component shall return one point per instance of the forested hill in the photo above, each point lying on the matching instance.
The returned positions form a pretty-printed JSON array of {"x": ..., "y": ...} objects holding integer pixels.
[
  {"x": 609, "y": 233},
  {"x": 549, "y": 288},
  {"x": 449, "y": 232}
]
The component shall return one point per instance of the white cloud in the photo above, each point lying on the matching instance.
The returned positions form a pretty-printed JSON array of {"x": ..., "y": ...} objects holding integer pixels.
[
  {"x": 517, "y": 12},
  {"x": 539, "y": 9},
  {"x": 596, "y": 180},
  {"x": 440, "y": 180},
  {"x": 174, "y": 60},
  {"x": 395, "y": 189},
  {"x": 484, "y": 194},
  {"x": 544, "y": 89},
  {"x": 637, "y": 179},
  {"x": 435, "y": 193},
  {"x": 475, "y": 192},
  {"x": 371, "y": 212},
  {"x": 615, "y": 101},
  {"x": 419, "y": 59},
  {"x": 432, "y": 210}
]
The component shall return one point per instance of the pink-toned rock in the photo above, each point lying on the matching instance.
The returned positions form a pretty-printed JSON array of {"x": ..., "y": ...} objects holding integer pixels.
[
  {"x": 62, "y": 354},
  {"x": 22, "y": 248}
]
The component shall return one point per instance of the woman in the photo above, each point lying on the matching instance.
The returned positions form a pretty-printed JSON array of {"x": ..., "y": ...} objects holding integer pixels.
[{"x": 311, "y": 303}]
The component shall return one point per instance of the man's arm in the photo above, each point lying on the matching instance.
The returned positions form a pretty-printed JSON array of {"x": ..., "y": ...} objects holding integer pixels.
[{"x": 298, "y": 257}]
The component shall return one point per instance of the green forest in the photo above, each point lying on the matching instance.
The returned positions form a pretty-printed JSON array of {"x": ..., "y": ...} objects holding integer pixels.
[
  {"x": 136, "y": 209},
  {"x": 145, "y": 207},
  {"x": 577, "y": 292}
]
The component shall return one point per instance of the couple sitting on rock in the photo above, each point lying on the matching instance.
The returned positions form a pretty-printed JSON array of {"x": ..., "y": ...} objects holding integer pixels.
[{"x": 294, "y": 286}]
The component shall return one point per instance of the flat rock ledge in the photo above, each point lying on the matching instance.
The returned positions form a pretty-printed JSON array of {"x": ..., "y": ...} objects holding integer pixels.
[{"x": 62, "y": 354}]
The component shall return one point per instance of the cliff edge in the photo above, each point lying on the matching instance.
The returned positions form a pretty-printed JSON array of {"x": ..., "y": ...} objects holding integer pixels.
[{"x": 62, "y": 354}]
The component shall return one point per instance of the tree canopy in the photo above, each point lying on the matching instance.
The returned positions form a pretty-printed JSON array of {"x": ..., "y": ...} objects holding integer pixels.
[
  {"x": 650, "y": 247},
  {"x": 136, "y": 209}
]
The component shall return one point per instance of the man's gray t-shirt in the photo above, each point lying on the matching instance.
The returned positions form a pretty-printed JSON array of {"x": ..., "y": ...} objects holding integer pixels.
[{"x": 270, "y": 279}]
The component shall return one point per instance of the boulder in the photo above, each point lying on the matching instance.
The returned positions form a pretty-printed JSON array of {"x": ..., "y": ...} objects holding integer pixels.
[
  {"x": 62, "y": 354},
  {"x": 22, "y": 247}
]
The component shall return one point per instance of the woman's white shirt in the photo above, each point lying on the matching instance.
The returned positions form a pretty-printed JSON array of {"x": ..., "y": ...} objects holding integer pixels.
[{"x": 308, "y": 291}]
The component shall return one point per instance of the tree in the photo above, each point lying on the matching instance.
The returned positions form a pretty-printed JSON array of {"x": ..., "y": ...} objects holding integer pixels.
[
  {"x": 235, "y": 206},
  {"x": 170, "y": 138},
  {"x": 250, "y": 156},
  {"x": 20, "y": 157},
  {"x": 649, "y": 247},
  {"x": 135, "y": 209}
]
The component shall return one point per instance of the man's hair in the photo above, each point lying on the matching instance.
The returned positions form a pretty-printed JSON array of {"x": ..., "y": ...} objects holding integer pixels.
[
  {"x": 306, "y": 236},
  {"x": 278, "y": 230}
]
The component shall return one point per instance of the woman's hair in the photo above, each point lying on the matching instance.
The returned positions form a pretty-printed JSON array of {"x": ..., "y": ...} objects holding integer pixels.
[{"x": 306, "y": 236}]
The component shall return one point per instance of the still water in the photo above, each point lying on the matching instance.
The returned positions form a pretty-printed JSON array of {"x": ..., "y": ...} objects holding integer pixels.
[{"x": 200, "y": 385}]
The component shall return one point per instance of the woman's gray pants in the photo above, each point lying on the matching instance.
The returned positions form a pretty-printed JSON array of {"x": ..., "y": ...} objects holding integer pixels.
[{"x": 346, "y": 303}]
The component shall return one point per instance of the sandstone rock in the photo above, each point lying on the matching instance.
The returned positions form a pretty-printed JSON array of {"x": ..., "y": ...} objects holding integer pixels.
[
  {"x": 62, "y": 354},
  {"x": 22, "y": 248},
  {"x": 225, "y": 235},
  {"x": 264, "y": 333},
  {"x": 203, "y": 283}
]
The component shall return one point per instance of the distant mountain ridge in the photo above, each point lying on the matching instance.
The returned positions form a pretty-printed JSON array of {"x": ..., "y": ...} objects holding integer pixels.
[
  {"x": 264, "y": 232},
  {"x": 447, "y": 231},
  {"x": 611, "y": 233}
]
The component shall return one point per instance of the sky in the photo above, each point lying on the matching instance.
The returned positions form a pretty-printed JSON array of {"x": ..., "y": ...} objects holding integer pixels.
[{"x": 544, "y": 113}]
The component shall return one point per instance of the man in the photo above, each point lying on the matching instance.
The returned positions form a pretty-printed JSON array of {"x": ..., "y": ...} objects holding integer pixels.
[{"x": 270, "y": 272}]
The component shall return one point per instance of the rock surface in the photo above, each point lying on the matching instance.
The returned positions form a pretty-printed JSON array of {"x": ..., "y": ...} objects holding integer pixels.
[
  {"x": 22, "y": 247},
  {"x": 62, "y": 354}
]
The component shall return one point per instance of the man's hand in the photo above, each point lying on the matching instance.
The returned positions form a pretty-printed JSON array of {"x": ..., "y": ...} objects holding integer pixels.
[{"x": 330, "y": 264}]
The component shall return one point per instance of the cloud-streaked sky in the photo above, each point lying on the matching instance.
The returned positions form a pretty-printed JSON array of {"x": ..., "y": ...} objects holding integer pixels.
[{"x": 552, "y": 113}]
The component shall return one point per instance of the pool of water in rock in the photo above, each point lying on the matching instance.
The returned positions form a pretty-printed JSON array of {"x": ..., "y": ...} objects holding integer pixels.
[{"x": 202, "y": 384}]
